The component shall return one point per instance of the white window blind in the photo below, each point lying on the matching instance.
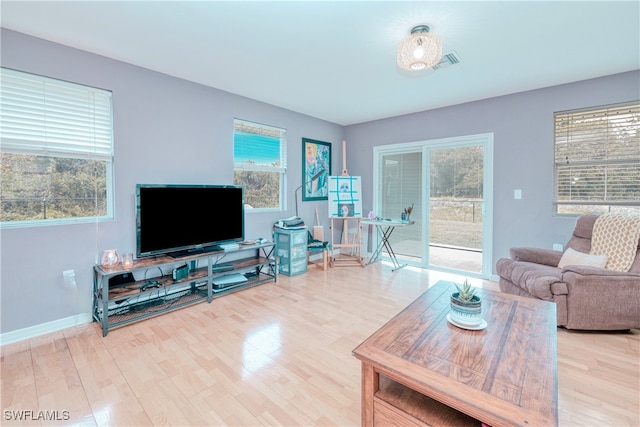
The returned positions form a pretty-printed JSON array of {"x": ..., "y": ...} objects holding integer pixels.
[
  {"x": 597, "y": 158},
  {"x": 56, "y": 151},
  {"x": 42, "y": 116},
  {"x": 259, "y": 147}
]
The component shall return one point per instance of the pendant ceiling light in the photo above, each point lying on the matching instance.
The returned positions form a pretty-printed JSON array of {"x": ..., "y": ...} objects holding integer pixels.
[{"x": 419, "y": 50}]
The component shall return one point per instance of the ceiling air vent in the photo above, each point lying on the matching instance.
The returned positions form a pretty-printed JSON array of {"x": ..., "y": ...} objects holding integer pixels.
[{"x": 447, "y": 60}]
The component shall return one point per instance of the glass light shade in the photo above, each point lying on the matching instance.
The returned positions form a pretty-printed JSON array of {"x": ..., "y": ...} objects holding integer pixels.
[{"x": 418, "y": 51}]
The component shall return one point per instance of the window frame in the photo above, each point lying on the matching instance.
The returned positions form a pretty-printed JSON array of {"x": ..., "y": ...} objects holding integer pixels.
[
  {"x": 576, "y": 132},
  {"x": 71, "y": 142},
  {"x": 281, "y": 169}
]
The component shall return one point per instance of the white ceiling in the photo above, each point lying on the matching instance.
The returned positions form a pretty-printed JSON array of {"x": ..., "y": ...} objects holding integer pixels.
[{"x": 336, "y": 60}]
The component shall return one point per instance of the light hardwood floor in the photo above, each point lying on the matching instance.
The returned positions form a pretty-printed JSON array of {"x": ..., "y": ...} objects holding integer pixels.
[{"x": 276, "y": 354}]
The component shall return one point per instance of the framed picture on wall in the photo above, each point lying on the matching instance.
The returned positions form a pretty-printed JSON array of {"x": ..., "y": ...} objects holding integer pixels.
[{"x": 316, "y": 168}]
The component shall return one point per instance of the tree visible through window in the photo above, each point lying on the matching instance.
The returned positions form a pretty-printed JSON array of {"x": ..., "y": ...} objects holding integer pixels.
[
  {"x": 56, "y": 150},
  {"x": 259, "y": 157},
  {"x": 597, "y": 160}
]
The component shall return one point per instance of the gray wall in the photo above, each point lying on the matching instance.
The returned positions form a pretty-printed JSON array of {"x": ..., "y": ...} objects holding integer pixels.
[
  {"x": 168, "y": 130},
  {"x": 522, "y": 127}
]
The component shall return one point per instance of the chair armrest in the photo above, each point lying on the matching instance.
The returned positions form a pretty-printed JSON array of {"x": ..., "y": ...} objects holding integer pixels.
[
  {"x": 601, "y": 299},
  {"x": 600, "y": 283},
  {"x": 536, "y": 255},
  {"x": 585, "y": 270}
]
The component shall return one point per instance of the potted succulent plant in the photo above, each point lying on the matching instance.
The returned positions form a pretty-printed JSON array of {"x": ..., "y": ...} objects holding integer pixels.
[{"x": 466, "y": 306}]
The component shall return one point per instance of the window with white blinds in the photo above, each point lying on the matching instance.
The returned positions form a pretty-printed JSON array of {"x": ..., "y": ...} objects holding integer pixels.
[
  {"x": 260, "y": 164},
  {"x": 56, "y": 150},
  {"x": 597, "y": 160}
]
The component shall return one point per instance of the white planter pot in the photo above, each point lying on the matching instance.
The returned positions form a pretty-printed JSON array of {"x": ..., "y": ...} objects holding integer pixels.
[{"x": 466, "y": 312}]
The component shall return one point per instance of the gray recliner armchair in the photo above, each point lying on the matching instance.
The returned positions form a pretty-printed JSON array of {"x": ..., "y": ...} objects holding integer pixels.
[{"x": 586, "y": 297}]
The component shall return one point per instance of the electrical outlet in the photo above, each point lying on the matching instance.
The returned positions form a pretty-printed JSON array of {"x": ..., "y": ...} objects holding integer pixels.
[
  {"x": 70, "y": 280},
  {"x": 517, "y": 194}
]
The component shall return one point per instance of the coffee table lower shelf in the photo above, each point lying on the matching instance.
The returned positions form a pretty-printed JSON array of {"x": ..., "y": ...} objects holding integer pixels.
[{"x": 397, "y": 405}]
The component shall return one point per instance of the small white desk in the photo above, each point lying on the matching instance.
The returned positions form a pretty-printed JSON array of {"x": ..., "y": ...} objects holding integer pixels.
[{"x": 385, "y": 229}]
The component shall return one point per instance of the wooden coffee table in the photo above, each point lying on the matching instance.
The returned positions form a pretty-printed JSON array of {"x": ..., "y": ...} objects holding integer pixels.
[{"x": 419, "y": 369}]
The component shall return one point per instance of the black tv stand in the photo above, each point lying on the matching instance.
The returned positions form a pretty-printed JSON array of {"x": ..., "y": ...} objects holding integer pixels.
[{"x": 196, "y": 251}]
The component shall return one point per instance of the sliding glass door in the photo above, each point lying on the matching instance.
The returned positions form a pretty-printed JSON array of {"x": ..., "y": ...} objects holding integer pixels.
[
  {"x": 455, "y": 207},
  {"x": 448, "y": 186},
  {"x": 402, "y": 188}
]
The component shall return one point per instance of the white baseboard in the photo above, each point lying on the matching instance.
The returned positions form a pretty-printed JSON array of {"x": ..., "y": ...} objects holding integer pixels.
[{"x": 45, "y": 328}]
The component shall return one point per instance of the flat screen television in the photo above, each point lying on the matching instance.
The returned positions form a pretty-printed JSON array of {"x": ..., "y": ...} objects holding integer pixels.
[{"x": 179, "y": 220}]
